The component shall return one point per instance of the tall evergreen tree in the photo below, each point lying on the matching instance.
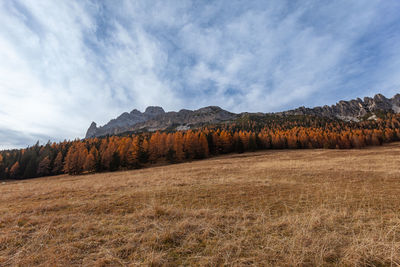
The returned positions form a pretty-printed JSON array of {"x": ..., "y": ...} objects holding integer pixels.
[{"x": 44, "y": 167}]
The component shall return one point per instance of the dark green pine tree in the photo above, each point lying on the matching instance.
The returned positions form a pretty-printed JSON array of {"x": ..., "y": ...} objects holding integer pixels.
[
  {"x": 115, "y": 162},
  {"x": 31, "y": 167},
  {"x": 239, "y": 148}
]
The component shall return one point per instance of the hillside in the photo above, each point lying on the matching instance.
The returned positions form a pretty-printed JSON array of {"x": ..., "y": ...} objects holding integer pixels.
[{"x": 282, "y": 207}]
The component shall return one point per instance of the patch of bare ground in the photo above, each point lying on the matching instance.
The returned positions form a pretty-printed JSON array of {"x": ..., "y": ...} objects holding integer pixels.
[{"x": 285, "y": 208}]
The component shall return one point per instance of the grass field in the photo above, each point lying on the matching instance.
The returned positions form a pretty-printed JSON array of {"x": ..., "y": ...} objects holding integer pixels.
[{"x": 285, "y": 208}]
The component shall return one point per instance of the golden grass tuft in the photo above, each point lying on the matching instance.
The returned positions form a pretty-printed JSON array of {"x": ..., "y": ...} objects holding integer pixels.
[{"x": 286, "y": 208}]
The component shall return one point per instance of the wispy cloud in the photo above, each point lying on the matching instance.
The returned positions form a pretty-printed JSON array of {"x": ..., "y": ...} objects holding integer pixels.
[{"x": 66, "y": 63}]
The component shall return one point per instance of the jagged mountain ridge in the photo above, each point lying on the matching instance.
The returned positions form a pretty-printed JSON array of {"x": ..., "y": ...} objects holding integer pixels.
[
  {"x": 155, "y": 118},
  {"x": 351, "y": 110}
]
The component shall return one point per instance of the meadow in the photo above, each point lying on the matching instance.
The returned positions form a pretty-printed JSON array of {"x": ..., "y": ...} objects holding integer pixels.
[{"x": 269, "y": 208}]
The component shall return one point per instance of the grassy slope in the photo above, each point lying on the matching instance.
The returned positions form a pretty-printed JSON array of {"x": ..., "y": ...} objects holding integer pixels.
[{"x": 300, "y": 207}]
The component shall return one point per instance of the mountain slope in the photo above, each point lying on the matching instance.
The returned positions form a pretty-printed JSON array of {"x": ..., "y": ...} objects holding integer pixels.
[{"x": 155, "y": 118}]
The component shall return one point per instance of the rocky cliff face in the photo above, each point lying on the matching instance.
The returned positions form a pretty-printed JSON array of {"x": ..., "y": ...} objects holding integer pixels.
[
  {"x": 155, "y": 118},
  {"x": 352, "y": 110}
]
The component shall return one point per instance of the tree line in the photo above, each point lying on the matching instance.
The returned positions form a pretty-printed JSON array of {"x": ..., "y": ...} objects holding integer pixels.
[{"x": 251, "y": 133}]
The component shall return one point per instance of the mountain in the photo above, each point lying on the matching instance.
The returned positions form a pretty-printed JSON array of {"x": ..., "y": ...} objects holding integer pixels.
[
  {"x": 352, "y": 110},
  {"x": 155, "y": 118}
]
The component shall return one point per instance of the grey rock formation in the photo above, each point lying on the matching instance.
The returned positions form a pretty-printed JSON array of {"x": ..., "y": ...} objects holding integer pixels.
[
  {"x": 92, "y": 130},
  {"x": 154, "y": 111},
  {"x": 352, "y": 110},
  {"x": 155, "y": 118}
]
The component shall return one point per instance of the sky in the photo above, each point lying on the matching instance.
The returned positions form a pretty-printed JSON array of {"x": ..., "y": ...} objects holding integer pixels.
[{"x": 66, "y": 63}]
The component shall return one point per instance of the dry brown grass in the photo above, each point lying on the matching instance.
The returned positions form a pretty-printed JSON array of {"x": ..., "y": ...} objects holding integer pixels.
[{"x": 288, "y": 208}]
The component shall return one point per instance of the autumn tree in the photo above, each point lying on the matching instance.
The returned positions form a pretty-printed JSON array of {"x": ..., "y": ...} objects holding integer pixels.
[
  {"x": 123, "y": 146},
  {"x": 226, "y": 141},
  {"x": 163, "y": 149},
  {"x": 244, "y": 138},
  {"x": 132, "y": 153},
  {"x": 239, "y": 147},
  {"x": 108, "y": 154},
  {"x": 203, "y": 146},
  {"x": 2, "y": 172},
  {"x": 190, "y": 144},
  {"x": 252, "y": 142},
  {"x": 75, "y": 159},
  {"x": 58, "y": 164},
  {"x": 155, "y": 148},
  {"x": 14, "y": 171},
  {"x": 375, "y": 141},
  {"x": 169, "y": 142},
  {"x": 178, "y": 147},
  {"x": 143, "y": 148}
]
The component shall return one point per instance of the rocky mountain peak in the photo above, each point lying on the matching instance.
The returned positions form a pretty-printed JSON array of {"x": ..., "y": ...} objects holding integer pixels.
[
  {"x": 92, "y": 129},
  {"x": 124, "y": 115},
  {"x": 396, "y": 100},
  {"x": 380, "y": 97},
  {"x": 154, "y": 111},
  {"x": 210, "y": 109},
  {"x": 352, "y": 110},
  {"x": 135, "y": 112}
]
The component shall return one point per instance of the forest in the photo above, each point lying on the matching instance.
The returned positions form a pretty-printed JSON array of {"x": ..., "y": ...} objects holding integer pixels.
[{"x": 249, "y": 133}]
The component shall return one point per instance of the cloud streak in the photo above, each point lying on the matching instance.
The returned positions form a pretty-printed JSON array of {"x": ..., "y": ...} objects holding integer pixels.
[{"x": 66, "y": 63}]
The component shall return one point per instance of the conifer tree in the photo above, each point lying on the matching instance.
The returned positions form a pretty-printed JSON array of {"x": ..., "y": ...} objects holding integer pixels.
[
  {"x": 178, "y": 147},
  {"x": 132, "y": 154},
  {"x": 75, "y": 159},
  {"x": 58, "y": 164},
  {"x": 190, "y": 144},
  {"x": 90, "y": 163},
  {"x": 155, "y": 147},
  {"x": 44, "y": 167},
  {"x": 203, "y": 146},
  {"x": 14, "y": 171},
  {"x": 108, "y": 154},
  {"x": 239, "y": 148},
  {"x": 143, "y": 151}
]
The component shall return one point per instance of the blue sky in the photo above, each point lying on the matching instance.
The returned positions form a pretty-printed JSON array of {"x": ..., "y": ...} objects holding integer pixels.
[{"x": 66, "y": 63}]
